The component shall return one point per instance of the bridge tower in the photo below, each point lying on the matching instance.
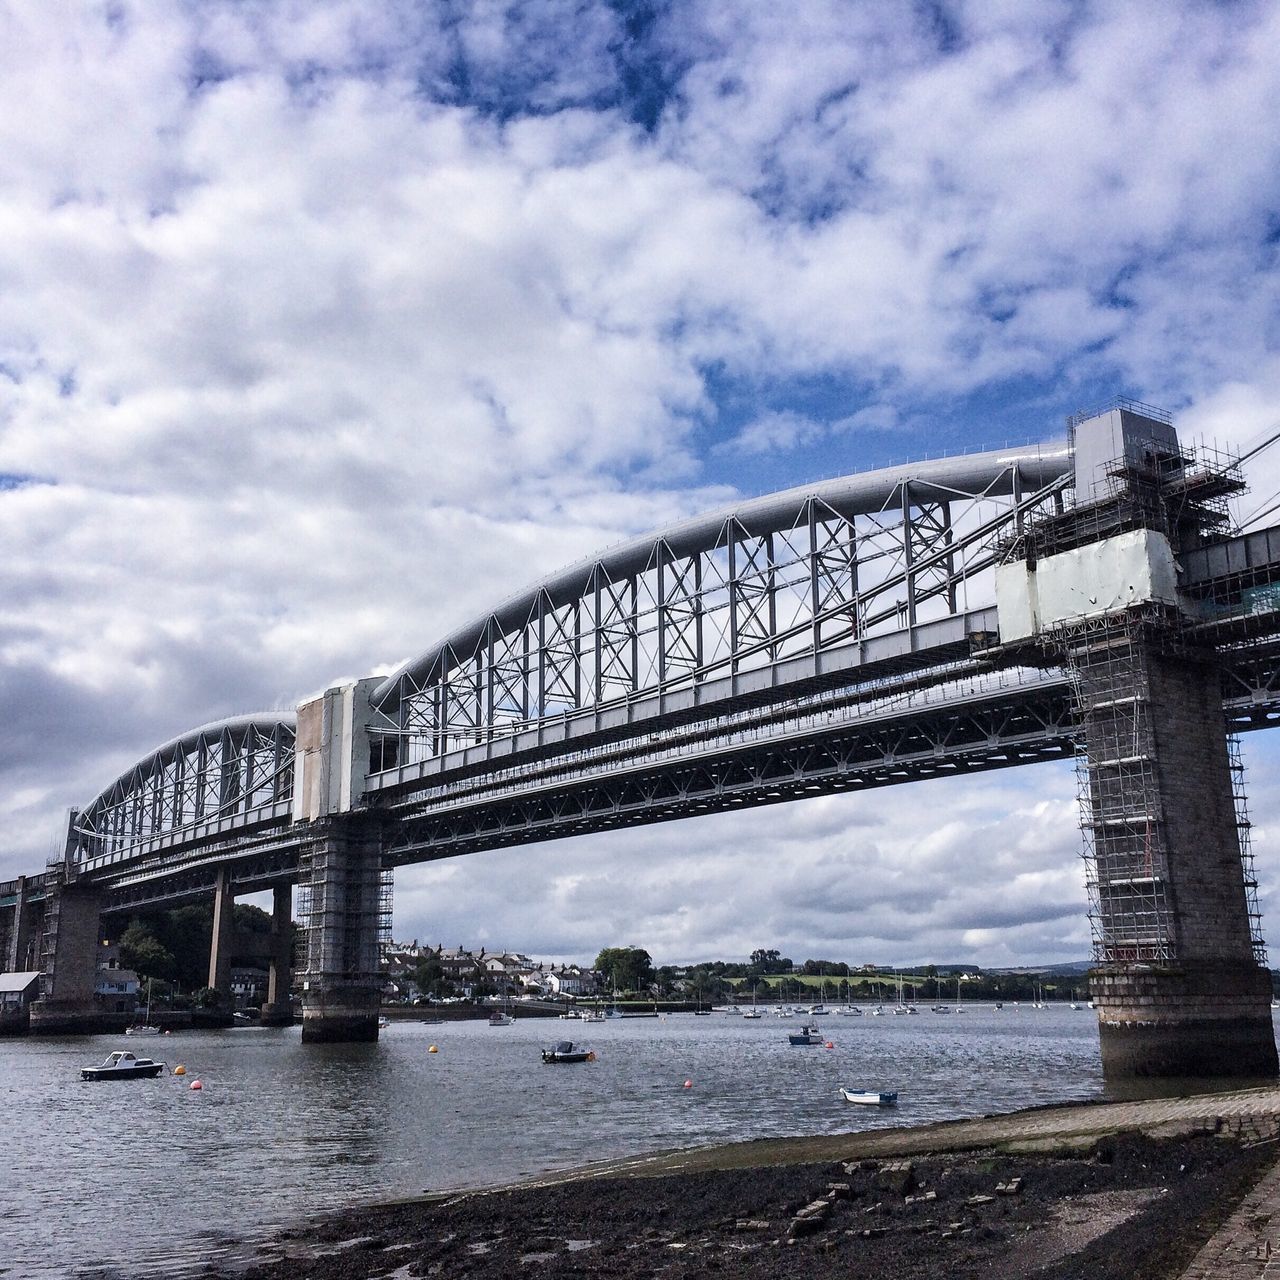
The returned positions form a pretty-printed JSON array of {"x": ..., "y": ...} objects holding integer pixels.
[
  {"x": 344, "y": 896},
  {"x": 1180, "y": 983}
]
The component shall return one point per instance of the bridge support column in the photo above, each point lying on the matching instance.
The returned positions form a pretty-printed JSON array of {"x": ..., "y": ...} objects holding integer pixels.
[
  {"x": 1179, "y": 990},
  {"x": 224, "y": 910},
  {"x": 19, "y": 956},
  {"x": 278, "y": 1009},
  {"x": 68, "y": 1004},
  {"x": 339, "y": 889}
]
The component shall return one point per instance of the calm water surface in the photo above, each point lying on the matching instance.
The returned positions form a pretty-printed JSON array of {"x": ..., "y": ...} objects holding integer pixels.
[{"x": 147, "y": 1178}]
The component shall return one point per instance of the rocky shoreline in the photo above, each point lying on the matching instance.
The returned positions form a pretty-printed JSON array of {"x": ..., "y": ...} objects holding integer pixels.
[{"x": 1096, "y": 1196}]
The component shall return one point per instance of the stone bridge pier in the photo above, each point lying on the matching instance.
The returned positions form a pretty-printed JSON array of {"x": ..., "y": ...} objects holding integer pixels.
[
  {"x": 1180, "y": 987},
  {"x": 343, "y": 894},
  {"x": 67, "y": 1004},
  {"x": 71, "y": 938}
]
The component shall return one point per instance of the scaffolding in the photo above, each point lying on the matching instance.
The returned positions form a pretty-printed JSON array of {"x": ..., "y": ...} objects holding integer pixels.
[
  {"x": 345, "y": 906},
  {"x": 1110, "y": 658},
  {"x": 1121, "y": 813},
  {"x": 1244, "y": 829}
]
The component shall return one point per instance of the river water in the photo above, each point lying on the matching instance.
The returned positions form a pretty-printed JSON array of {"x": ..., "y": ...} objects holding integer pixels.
[{"x": 151, "y": 1178}]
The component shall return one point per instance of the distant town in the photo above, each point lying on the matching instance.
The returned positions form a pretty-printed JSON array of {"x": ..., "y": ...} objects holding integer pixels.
[{"x": 165, "y": 955}]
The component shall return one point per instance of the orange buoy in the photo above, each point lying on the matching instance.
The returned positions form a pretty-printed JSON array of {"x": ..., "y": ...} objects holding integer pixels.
[
  {"x": 179, "y": 1070},
  {"x": 433, "y": 1049},
  {"x": 195, "y": 1084},
  {"x": 688, "y": 1084},
  {"x": 591, "y": 1057}
]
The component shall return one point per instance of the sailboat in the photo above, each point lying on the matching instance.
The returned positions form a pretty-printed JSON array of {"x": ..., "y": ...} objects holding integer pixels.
[{"x": 144, "y": 1028}]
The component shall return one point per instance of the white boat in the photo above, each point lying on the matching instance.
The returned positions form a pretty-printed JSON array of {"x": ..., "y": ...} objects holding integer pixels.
[
  {"x": 144, "y": 1028},
  {"x": 850, "y": 1011},
  {"x": 878, "y": 1011},
  {"x": 499, "y": 1019},
  {"x": 869, "y": 1098},
  {"x": 122, "y": 1065},
  {"x": 751, "y": 1013},
  {"x": 592, "y": 1015}
]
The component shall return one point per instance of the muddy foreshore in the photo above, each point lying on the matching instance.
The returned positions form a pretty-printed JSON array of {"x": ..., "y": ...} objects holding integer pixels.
[{"x": 1108, "y": 1193}]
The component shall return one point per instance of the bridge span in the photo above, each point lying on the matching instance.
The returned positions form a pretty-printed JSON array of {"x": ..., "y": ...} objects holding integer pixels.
[{"x": 940, "y": 618}]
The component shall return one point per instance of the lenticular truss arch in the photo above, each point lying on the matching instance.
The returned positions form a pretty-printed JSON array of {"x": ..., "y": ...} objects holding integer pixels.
[
  {"x": 799, "y": 570},
  {"x": 226, "y": 766}
]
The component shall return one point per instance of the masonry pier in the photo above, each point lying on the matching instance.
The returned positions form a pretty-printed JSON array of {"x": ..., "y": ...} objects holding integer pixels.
[
  {"x": 223, "y": 938},
  {"x": 72, "y": 923},
  {"x": 277, "y": 1011},
  {"x": 1180, "y": 986},
  {"x": 20, "y": 932},
  {"x": 340, "y": 878}
]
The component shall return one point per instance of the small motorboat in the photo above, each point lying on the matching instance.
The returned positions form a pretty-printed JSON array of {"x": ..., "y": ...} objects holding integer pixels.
[
  {"x": 499, "y": 1019},
  {"x": 869, "y": 1098},
  {"x": 808, "y": 1034},
  {"x": 567, "y": 1051},
  {"x": 122, "y": 1065}
]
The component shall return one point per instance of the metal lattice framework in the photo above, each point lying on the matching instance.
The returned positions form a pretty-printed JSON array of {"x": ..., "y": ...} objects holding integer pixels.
[
  {"x": 739, "y": 600},
  {"x": 234, "y": 773}
]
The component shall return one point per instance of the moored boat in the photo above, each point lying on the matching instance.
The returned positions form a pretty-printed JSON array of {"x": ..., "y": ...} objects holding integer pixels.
[
  {"x": 122, "y": 1065},
  {"x": 567, "y": 1051},
  {"x": 145, "y": 1027},
  {"x": 499, "y": 1019},
  {"x": 870, "y": 1098},
  {"x": 808, "y": 1034}
]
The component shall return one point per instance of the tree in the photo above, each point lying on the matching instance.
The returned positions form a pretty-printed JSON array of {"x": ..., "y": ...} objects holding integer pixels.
[
  {"x": 769, "y": 962},
  {"x": 428, "y": 974},
  {"x": 625, "y": 968},
  {"x": 145, "y": 954}
]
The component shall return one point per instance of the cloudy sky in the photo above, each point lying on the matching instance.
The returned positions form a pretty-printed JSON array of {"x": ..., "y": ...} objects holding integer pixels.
[{"x": 325, "y": 326}]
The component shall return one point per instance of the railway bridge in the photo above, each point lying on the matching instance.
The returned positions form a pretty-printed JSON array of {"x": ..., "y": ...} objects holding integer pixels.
[{"x": 1086, "y": 599}]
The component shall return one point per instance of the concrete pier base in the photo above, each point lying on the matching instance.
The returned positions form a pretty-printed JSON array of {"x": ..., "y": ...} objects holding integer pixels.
[
  {"x": 1206, "y": 1021},
  {"x": 344, "y": 1015},
  {"x": 73, "y": 1018}
]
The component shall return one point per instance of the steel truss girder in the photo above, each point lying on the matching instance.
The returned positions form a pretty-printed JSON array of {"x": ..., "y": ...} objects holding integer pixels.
[
  {"x": 1023, "y": 728},
  {"x": 233, "y": 775},
  {"x": 814, "y": 579},
  {"x": 944, "y": 741}
]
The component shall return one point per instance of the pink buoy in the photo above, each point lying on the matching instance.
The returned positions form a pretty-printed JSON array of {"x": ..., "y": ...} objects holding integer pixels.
[
  {"x": 688, "y": 1084},
  {"x": 195, "y": 1084},
  {"x": 830, "y": 1045}
]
